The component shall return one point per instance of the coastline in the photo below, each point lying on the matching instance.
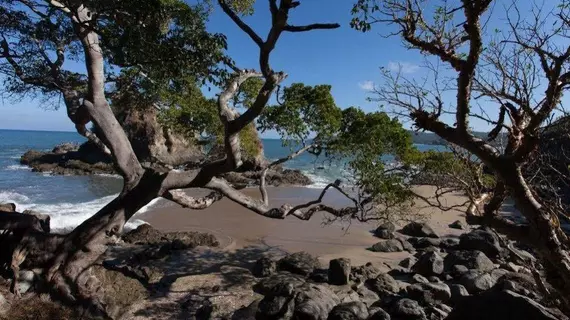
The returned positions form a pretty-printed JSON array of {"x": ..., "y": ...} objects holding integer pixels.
[{"x": 238, "y": 228}]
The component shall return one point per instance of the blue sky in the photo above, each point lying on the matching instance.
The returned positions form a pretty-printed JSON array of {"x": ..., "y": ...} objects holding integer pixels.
[{"x": 344, "y": 58}]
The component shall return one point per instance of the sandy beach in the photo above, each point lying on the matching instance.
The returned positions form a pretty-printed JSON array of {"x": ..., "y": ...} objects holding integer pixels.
[{"x": 238, "y": 228}]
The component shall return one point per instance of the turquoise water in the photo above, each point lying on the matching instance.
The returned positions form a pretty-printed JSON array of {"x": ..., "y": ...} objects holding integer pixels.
[{"x": 71, "y": 199}]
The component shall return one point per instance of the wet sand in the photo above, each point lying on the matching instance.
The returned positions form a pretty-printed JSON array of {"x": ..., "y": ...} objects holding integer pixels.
[{"x": 239, "y": 228}]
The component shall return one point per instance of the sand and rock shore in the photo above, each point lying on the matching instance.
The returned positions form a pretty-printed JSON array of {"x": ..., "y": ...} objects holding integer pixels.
[{"x": 226, "y": 262}]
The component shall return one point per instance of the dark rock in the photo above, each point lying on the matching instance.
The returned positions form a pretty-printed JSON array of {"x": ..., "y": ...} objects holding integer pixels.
[
  {"x": 275, "y": 307},
  {"x": 65, "y": 147},
  {"x": 458, "y": 225},
  {"x": 26, "y": 281},
  {"x": 319, "y": 276},
  {"x": 417, "y": 229},
  {"x": 300, "y": 263},
  {"x": 418, "y": 278},
  {"x": 434, "y": 279},
  {"x": 385, "y": 231},
  {"x": 349, "y": 311},
  {"x": 475, "y": 281},
  {"x": 406, "y": 244},
  {"x": 449, "y": 243},
  {"x": 367, "y": 296},
  {"x": 399, "y": 272},
  {"x": 471, "y": 259},
  {"x": 283, "y": 283},
  {"x": 408, "y": 262},
  {"x": 458, "y": 270},
  {"x": 457, "y": 292},
  {"x": 379, "y": 314},
  {"x": 407, "y": 309},
  {"x": 314, "y": 302},
  {"x": 392, "y": 245},
  {"x": 482, "y": 240},
  {"x": 520, "y": 283},
  {"x": 264, "y": 267},
  {"x": 8, "y": 207},
  {"x": 429, "y": 293},
  {"x": 435, "y": 313},
  {"x": 501, "y": 305},
  {"x": 339, "y": 271},
  {"x": 422, "y": 243},
  {"x": 429, "y": 264},
  {"x": 383, "y": 284},
  {"x": 363, "y": 273},
  {"x": 147, "y": 235},
  {"x": 248, "y": 312}
]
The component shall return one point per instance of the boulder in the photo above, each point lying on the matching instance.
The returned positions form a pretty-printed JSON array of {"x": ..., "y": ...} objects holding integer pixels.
[
  {"x": 248, "y": 312},
  {"x": 407, "y": 309},
  {"x": 362, "y": 273},
  {"x": 383, "y": 284},
  {"x": 8, "y": 207},
  {"x": 349, "y": 311},
  {"x": 320, "y": 276},
  {"x": 385, "y": 230},
  {"x": 483, "y": 240},
  {"x": 408, "y": 262},
  {"x": 405, "y": 244},
  {"x": 475, "y": 281},
  {"x": 367, "y": 296},
  {"x": 339, "y": 271},
  {"x": 147, "y": 235},
  {"x": 300, "y": 263},
  {"x": 457, "y": 224},
  {"x": 418, "y": 278},
  {"x": 429, "y": 264},
  {"x": 392, "y": 245},
  {"x": 422, "y": 243},
  {"x": 457, "y": 292},
  {"x": 26, "y": 281},
  {"x": 471, "y": 259},
  {"x": 417, "y": 229},
  {"x": 458, "y": 270},
  {"x": 449, "y": 243},
  {"x": 283, "y": 284},
  {"x": 65, "y": 148},
  {"x": 501, "y": 305},
  {"x": 264, "y": 267},
  {"x": 429, "y": 293},
  {"x": 379, "y": 314},
  {"x": 314, "y": 302}
]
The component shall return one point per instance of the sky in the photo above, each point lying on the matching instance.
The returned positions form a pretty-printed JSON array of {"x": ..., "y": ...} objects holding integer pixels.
[{"x": 344, "y": 58}]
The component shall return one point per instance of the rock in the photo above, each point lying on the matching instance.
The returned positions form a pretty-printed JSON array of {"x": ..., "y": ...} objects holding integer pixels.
[
  {"x": 417, "y": 229},
  {"x": 264, "y": 267},
  {"x": 511, "y": 267},
  {"x": 363, "y": 273},
  {"x": 147, "y": 235},
  {"x": 457, "y": 292},
  {"x": 407, "y": 309},
  {"x": 501, "y": 305},
  {"x": 408, "y": 262},
  {"x": 458, "y": 270},
  {"x": 314, "y": 302},
  {"x": 471, "y": 259},
  {"x": 65, "y": 147},
  {"x": 300, "y": 263},
  {"x": 449, "y": 243},
  {"x": 429, "y": 264},
  {"x": 275, "y": 307},
  {"x": 422, "y": 243},
  {"x": 247, "y": 313},
  {"x": 383, "y": 284},
  {"x": 475, "y": 281},
  {"x": 349, "y": 311},
  {"x": 26, "y": 281},
  {"x": 385, "y": 231},
  {"x": 429, "y": 293},
  {"x": 406, "y": 244},
  {"x": 367, "y": 296},
  {"x": 457, "y": 224},
  {"x": 280, "y": 283},
  {"x": 435, "y": 313},
  {"x": 379, "y": 314},
  {"x": 483, "y": 240},
  {"x": 8, "y": 207},
  {"x": 320, "y": 276},
  {"x": 392, "y": 245},
  {"x": 418, "y": 278},
  {"x": 339, "y": 271},
  {"x": 399, "y": 272},
  {"x": 4, "y": 305},
  {"x": 519, "y": 283},
  {"x": 434, "y": 279}
]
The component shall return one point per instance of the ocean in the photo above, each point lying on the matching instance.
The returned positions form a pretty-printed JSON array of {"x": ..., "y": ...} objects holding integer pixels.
[{"x": 69, "y": 200}]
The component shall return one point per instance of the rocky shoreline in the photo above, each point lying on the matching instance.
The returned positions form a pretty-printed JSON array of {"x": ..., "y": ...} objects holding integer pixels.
[
  {"x": 150, "y": 274},
  {"x": 86, "y": 159}
]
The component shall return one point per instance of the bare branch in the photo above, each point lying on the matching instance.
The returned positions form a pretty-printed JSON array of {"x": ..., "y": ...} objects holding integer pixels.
[
  {"x": 242, "y": 25},
  {"x": 314, "y": 26},
  {"x": 187, "y": 201}
]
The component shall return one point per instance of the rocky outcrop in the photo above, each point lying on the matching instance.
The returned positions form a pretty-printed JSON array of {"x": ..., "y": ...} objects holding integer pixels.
[{"x": 147, "y": 235}]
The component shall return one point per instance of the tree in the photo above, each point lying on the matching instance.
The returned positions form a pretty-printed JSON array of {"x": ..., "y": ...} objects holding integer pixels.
[{"x": 519, "y": 75}]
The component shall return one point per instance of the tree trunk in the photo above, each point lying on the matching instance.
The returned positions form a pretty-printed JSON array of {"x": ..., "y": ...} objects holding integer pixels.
[
  {"x": 69, "y": 270},
  {"x": 544, "y": 231}
]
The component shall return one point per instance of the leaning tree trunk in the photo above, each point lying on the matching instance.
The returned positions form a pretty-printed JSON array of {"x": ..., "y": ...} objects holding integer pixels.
[{"x": 544, "y": 231}]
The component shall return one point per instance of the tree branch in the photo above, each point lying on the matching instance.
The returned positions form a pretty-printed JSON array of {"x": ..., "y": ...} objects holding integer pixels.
[
  {"x": 314, "y": 26},
  {"x": 187, "y": 201},
  {"x": 242, "y": 25}
]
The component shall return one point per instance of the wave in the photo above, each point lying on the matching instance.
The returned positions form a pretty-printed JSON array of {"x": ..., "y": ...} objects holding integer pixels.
[
  {"x": 318, "y": 181},
  {"x": 66, "y": 216},
  {"x": 15, "y": 167}
]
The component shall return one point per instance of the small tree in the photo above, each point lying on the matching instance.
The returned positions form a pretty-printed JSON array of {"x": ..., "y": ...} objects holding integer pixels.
[{"x": 518, "y": 74}]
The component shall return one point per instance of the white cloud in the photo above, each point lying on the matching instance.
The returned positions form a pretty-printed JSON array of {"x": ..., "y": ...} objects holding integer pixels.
[
  {"x": 366, "y": 85},
  {"x": 404, "y": 67}
]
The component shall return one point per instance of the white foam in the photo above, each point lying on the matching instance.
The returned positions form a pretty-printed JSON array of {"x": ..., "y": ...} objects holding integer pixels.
[
  {"x": 109, "y": 175},
  {"x": 319, "y": 182},
  {"x": 9, "y": 196},
  {"x": 18, "y": 167}
]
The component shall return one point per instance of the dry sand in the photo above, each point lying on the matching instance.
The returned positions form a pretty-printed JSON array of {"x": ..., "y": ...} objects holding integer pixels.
[{"x": 238, "y": 228}]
